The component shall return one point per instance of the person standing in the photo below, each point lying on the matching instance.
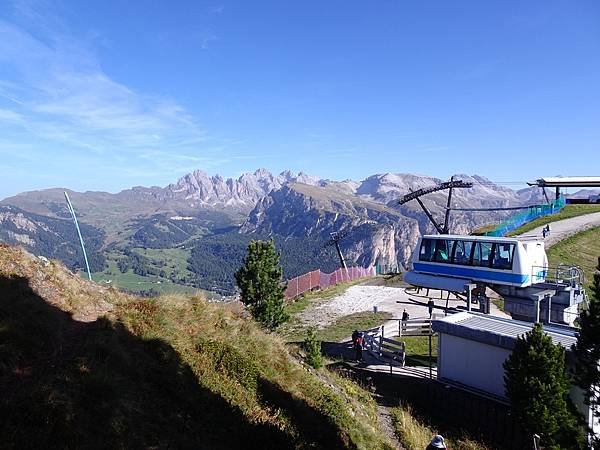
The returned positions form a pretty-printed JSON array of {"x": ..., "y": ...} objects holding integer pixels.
[
  {"x": 430, "y": 305},
  {"x": 405, "y": 318},
  {"x": 359, "y": 346}
]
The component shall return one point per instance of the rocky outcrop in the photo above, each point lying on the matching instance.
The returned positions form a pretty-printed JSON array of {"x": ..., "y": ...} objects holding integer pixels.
[
  {"x": 376, "y": 234},
  {"x": 200, "y": 190}
]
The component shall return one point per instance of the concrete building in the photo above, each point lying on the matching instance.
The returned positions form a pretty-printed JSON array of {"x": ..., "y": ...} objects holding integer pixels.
[{"x": 472, "y": 348}]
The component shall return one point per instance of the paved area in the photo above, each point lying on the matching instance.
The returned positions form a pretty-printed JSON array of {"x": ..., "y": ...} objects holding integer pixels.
[{"x": 562, "y": 229}]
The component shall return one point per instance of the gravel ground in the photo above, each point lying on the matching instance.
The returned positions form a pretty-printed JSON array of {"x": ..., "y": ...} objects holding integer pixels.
[{"x": 391, "y": 299}]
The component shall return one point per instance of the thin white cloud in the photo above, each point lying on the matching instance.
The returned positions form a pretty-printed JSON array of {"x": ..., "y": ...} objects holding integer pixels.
[{"x": 59, "y": 92}]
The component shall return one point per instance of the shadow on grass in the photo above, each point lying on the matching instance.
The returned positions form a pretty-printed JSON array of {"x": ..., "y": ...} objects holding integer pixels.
[
  {"x": 67, "y": 384},
  {"x": 308, "y": 422}
]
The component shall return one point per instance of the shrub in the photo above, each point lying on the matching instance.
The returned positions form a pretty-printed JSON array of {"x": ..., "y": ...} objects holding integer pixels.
[{"x": 312, "y": 345}]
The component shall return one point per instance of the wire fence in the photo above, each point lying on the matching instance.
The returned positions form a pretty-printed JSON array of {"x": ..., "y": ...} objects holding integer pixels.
[
  {"x": 320, "y": 280},
  {"x": 533, "y": 212}
]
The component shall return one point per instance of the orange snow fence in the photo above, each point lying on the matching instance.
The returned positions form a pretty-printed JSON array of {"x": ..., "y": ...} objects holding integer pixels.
[{"x": 319, "y": 280}]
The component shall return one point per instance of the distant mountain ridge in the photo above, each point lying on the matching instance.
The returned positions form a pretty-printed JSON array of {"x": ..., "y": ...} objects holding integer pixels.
[{"x": 208, "y": 220}]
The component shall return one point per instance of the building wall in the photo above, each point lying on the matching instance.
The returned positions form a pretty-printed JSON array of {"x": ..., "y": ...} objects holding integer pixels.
[
  {"x": 472, "y": 363},
  {"x": 479, "y": 366}
]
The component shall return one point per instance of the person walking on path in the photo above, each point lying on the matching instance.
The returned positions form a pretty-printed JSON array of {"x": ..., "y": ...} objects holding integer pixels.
[
  {"x": 436, "y": 443},
  {"x": 405, "y": 316},
  {"x": 430, "y": 305}
]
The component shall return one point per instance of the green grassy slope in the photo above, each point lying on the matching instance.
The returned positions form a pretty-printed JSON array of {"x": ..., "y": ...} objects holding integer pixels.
[
  {"x": 83, "y": 366},
  {"x": 581, "y": 249}
]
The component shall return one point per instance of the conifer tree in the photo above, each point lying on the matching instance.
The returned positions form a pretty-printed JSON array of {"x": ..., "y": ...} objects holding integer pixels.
[
  {"x": 537, "y": 385},
  {"x": 259, "y": 281},
  {"x": 587, "y": 348},
  {"x": 312, "y": 345}
]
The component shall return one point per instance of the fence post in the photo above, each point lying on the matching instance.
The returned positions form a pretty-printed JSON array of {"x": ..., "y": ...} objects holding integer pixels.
[{"x": 381, "y": 338}]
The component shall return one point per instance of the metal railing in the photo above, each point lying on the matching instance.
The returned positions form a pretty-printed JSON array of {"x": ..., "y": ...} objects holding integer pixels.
[
  {"x": 562, "y": 274},
  {"x": 381, "y": 347}
]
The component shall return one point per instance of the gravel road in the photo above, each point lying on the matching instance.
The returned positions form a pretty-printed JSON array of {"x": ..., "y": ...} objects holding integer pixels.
[{"x": 562, "y": 229}]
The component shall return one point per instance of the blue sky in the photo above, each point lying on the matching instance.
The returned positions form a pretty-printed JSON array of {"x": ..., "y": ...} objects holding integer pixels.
[{"x": 104, "y": 95}]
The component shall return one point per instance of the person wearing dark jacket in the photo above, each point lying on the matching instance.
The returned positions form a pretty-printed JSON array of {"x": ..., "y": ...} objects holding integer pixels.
[{"x": 430, "y": 305}]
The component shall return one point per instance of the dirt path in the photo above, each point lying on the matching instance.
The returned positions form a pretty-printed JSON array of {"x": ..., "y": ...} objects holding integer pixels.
[
  {"x": 387, "y": 425},
  {"x": 562, "y": 229}
]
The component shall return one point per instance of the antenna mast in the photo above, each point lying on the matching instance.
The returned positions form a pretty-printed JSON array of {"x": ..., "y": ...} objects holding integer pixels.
[{"x": 72, "y": 211}]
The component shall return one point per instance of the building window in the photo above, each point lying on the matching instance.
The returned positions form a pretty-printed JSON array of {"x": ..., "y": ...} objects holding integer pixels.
[
  {"x": 503, "y": 256},
  {"x": 482, "y": 253},
  {"x": 462, "y": 252},
  {"x": 427, "y": 250},
  {"x": 443, "y": 248}
]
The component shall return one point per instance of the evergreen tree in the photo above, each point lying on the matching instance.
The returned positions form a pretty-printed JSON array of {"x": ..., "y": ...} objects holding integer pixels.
[
  {"x": 537, "y": 385},
  {"x": 587, "y": 348},
  {"x": 312, "y": 345},
  {"x": 259, "y": 281}
]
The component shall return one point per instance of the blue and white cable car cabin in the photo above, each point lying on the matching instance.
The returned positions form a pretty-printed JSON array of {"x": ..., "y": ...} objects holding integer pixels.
[
  {"x": 516, "y": 269},
  {"x": 488, "y": 259}
]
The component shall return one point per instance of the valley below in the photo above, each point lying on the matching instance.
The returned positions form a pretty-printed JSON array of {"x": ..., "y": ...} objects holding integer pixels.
[{"x": 193, "y": 234}]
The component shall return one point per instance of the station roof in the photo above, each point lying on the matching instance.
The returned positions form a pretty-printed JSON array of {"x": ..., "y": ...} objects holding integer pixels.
[
  {"x": 567, "y": 182},
  {"x": 498, "y": 331}
]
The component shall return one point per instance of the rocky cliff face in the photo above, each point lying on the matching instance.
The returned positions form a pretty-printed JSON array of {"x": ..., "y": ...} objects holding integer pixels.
[
  {"x": 377, "y": 234},
  {"x": 199, "y": 190},
  {"x": 382, "y": 231},
  {"x": 51, "y": 237}
]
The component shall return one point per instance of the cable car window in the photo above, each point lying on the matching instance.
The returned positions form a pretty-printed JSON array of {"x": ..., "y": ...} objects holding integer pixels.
[
  {"x": 482, "y": 253},
  {"x": 503, "y": 256},
  {"x": 462, "y": 252},
  {"x": 427, "y": 250},
  {"x": 442, "y": 250}
]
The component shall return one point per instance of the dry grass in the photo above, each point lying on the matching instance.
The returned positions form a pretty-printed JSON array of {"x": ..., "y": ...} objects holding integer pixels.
[
  {"x": 174, "y": 371},
  {"x": 416, "y": 435}
]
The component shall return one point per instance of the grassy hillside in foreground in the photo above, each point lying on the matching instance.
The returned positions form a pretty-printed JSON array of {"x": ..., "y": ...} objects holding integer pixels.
[
  {"x": 416, "y": 434},
  {"x": 581, "y": 249},
  {"x": 83, "y": 366},
  {"x": 567, "y": 212}
]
